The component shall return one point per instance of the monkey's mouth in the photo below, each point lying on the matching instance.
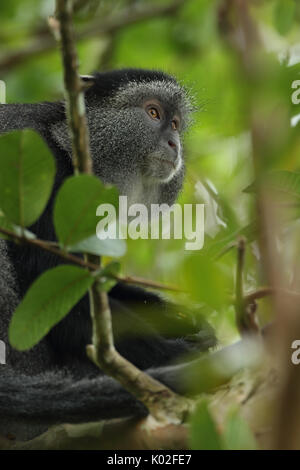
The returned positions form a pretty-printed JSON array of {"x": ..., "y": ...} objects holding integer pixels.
[
  {"x": 164, "y": 160},
  {"x": 160, "y": 168}
]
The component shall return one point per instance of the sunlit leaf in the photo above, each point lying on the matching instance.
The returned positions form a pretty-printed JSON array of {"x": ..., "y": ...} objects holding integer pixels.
[
  {"x": 94, "y": 246},
  {"x": 207, "y": 280},
  {"x": 284, "y": 15},
  {"x": 237, "y": 435},
  {"x": 203, "y": 430},
  {"x": 287, "y": 182}
]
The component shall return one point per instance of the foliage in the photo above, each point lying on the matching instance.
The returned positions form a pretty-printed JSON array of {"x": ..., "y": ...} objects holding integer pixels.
[
  {"x": 26, "y": 177},
  {"x": 49, "y": 299},
  {"x": 206, "y": 435},
  {"x": 218, "y": 150}
]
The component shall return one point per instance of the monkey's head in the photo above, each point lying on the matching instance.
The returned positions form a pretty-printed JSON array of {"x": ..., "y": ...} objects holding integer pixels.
[{"x": 136, "y": 119}]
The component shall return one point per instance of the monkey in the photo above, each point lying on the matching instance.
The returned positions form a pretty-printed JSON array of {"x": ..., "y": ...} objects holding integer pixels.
[{"x": 136, "y": 120}]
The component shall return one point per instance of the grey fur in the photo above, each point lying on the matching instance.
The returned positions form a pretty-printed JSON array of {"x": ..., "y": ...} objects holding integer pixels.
[{"x": 126, "y": 150}]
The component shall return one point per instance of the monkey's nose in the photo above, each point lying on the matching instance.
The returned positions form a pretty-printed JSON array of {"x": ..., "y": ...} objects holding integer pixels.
[{"x": 172, "y": 145}]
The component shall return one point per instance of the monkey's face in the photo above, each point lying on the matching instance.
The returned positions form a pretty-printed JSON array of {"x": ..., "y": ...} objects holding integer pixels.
[
  {"x": 164, "y": 158},
  {"x": 136, "y": 137},
  {"x": 137, "y": 148}
]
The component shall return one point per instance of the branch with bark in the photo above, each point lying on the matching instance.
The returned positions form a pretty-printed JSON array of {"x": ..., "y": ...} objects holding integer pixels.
[
  {"x": 44, "y": 42},
  {"x": 245, "y": 309},
  {"x": 84, "y": 263}
]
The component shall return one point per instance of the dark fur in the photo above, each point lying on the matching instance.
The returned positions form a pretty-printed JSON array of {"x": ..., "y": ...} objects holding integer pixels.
[{"x": 55, "y": 382}]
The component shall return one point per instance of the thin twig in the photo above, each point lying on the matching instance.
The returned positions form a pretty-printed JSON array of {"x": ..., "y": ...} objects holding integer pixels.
[
  {"x": 52, "y": 248},
  {"x": 263, "y": 292},
  {"x": 45, "y": 42},
  {"x": 245, "y": 309},
  {"x": 82, "y": 160},
  {"x": 240, "y": 269},
  {"x": 239, "y": 296}
]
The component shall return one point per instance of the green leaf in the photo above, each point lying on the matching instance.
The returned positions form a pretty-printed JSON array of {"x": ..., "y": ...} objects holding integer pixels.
[
  {"x": 284, "y": 15},
  {"x": 93, "y": 245},
  {"x": 7, "y": 225},
  {"x": 217, "y": 368},
  {"x": 47, "y": 301},
  {"x": 237, "y": 435},
  {"x": 203, "y": 430},
  {"x": 287, "y": 182},
  {"x": 27, "y": 171},
  {"x": 225, "y": 244},
  {"x": 207, "y": 280},
  {"x": 75, "y": 208}
]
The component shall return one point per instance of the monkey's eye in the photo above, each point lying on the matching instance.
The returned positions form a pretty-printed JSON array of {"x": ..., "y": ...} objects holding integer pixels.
[
  {"x": 174, "y": 125},
  {"x": 153, "y": 112}
]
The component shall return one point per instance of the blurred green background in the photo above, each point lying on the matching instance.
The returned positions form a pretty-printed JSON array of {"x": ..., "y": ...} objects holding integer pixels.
[{"x": 185, "y": 43}]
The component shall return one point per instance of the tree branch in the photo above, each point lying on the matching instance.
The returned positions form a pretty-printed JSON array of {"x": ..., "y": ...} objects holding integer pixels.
[
  {"x": 239, "y": 294},
  {"x": 161, "y": 402},
  {"x": 245, "y": 309},
  {"x": 116, "y": 434},
  {"x": 82, "y": 161},
  {"x": 51, "y": 248},
  {"x": 45, "y": 42}
]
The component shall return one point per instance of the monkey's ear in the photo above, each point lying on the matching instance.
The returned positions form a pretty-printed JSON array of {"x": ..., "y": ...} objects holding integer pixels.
[{"x": 88, "y": 80}]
